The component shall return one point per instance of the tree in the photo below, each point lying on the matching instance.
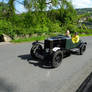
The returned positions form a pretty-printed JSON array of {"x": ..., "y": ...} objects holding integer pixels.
[
  {"x": 3, "y": 9},
  {"x": 11, "y": 7},
  {"x": 8, "y": 8},
  {"x": 41, "y": 5}
]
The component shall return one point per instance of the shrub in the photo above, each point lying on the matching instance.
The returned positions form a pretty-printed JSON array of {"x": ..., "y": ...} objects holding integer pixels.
[
  {"x": 54, "y": 27},
  {"x": 6, "y": 28},
  {"x": 89, "y": 19},
  {"x": 89, "y": 31}
]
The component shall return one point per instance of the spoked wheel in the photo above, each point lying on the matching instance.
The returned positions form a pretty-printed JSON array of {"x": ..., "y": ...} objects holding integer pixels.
[
  {"x": 37, "y": 48},
  {"x": 82, "y": 49},
  {"x": 57, "y": 58}
]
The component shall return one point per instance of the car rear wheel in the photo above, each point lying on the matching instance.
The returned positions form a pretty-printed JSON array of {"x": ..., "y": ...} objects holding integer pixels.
[
  {"x": 57, "y": 58},
  {"x": 82, "y": 49}
]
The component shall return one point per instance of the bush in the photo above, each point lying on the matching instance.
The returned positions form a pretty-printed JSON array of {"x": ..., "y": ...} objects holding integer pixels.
[
  {"x": 89, "y": 19},
  {"x": 89, "y": 31},
  {"x": 39, "y": 29},
  {"x": 42, "y": 22},
  {"x": 73, "y": 28},
  {"x": 54, "y": 27},
  {"x": 6, "y": 28}
]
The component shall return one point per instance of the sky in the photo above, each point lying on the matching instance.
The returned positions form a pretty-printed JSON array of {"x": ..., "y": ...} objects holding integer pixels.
[
  {"x": 82, "y": 3},
  {"x": 76, "y": 3}
]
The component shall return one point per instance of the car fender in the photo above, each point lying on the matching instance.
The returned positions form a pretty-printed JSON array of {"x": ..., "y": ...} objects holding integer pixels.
[
  {"x": 36, "y": 42},
  {"x": 83, "y": 44},
  {"x": 55, "y": 49}
]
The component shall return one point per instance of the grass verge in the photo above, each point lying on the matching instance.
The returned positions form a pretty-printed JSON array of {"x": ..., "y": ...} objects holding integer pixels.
[
  {"x": 29, "y": 39},
  {"x": 39, "y": 38},
  {"x": 85, "y": 35}
]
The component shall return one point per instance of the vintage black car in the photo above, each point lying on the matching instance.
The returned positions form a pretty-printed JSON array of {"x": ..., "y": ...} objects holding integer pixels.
[{"x": 55, "y": 48}]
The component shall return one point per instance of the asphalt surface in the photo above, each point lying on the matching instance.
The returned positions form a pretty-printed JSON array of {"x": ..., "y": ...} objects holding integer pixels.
[
  {"x": 18, "y": 73},
  {"x": 86, "y": 86}
]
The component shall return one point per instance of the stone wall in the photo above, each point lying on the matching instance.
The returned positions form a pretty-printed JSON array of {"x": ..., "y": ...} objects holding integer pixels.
[{"x": 5, "y": 38}]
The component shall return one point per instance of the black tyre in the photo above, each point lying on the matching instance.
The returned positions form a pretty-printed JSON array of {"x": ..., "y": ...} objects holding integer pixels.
[
  {"x": 82, "y": 49},
  {"x": 37, "y": 48},
  {"x": 57, "y": 58}
]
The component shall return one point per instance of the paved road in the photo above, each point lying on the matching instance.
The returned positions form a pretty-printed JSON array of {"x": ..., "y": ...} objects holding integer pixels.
[{"x": 18, "y": 75}]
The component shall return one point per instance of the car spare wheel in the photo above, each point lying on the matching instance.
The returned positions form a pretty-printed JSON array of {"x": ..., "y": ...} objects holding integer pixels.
[
  {"x": 57, "y": 58},
  {"x": 36, "y": 49}
]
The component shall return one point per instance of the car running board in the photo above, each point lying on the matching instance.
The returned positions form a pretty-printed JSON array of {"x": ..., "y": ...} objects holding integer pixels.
[{"x": 74, "y": 50}]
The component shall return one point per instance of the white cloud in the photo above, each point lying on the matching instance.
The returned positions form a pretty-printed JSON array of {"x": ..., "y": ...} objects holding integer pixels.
[{"x": 82, "y": 3}]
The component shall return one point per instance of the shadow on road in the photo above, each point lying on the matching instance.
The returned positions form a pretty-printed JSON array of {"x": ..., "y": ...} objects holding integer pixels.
[
  {"x": 6, "y": 87},
  {"x": 86, "y": 86},
  {"x": 35, "y": 61}
]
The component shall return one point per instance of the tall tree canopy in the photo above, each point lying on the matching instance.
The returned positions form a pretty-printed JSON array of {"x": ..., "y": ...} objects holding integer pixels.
[
  {"x": 11, "y": 7},
  {"x": 41, "y": 5}
]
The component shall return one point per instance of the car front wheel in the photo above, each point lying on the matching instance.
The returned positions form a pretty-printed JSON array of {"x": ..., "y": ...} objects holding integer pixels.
[{"x": 57, "y": 58}]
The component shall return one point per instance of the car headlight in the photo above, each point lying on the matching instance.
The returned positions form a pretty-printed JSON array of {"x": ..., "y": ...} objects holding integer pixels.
[{"x": 47, "y": 50}]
